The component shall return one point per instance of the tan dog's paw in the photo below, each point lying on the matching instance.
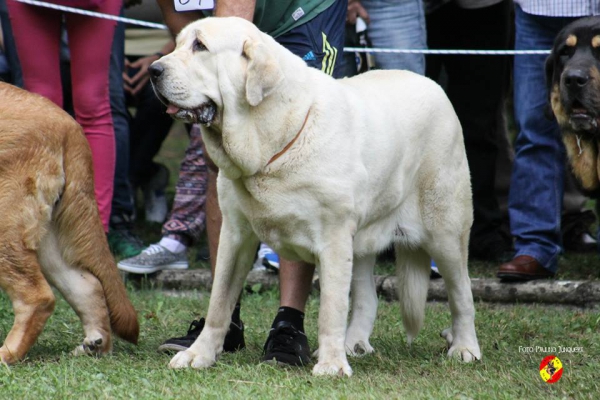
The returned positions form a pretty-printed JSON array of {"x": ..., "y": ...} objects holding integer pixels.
[
  {"x": 7, "y": 357},
  {"x": 187, "y": 358},
  {"x": 465, "y": 350},
  {"x": 334, "y": 368},
  {"x": 92, "y": 346}
]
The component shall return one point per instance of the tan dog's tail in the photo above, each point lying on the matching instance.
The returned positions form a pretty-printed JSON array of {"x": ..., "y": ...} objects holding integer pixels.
[{"x": 82, "y": 238}]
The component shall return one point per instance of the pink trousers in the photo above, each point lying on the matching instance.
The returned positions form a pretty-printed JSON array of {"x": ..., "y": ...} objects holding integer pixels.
[{"x": 37, "y": 33}]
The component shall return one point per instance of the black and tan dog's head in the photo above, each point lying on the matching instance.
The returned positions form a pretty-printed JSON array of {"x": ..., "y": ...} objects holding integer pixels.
[{"x": 573, "y": 79}]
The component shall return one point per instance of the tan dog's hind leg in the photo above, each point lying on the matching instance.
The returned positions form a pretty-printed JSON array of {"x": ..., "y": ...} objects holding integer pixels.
[
  {"x": 83, "y": 292},
  {"x": 364, "y": 307},
  {"x": 32, "y": 300}
]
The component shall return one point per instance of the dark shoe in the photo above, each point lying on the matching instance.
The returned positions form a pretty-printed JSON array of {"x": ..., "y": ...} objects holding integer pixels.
[
  {"x": 286, "y": 345},
  {"x": 523, "y": 268},
  {"x": 234, "y": 340},
  {"x": 576, "y": 232},
  {"x": 123, "y": 243},
  {"x": 495, "y": 248}
]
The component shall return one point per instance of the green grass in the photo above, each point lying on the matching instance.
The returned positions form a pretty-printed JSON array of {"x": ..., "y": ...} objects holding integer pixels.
[{"x": 393, "y": 371}]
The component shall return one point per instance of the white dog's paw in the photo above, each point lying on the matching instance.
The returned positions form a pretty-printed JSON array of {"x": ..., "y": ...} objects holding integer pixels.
[
  {"x": 183, "y": 359},
  {"x": 188, "y": 358},
  {"x": 447, "y": 334},
  {"x": 95, "y": 345},
  {"x": 358, "y": 347},
  {"x": 335, "y": 368},
  {"x": 465, "y": 350}
]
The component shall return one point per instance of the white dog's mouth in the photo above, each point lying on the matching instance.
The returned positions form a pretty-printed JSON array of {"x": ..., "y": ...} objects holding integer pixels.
[{"x": 205, "y": 113}]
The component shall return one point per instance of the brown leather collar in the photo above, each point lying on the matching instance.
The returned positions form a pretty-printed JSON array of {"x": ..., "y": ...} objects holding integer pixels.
[{"x": 286, "y": 148}]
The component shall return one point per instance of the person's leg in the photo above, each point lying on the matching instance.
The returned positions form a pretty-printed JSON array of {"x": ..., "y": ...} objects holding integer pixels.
[
  {"x": 121, "y": 239},
  {"x": 36, "y": 33},
  {"x": 149, "y": 128},
  {"x": 186, "y": 221},
  {"x": 536, "y": 191},
  {"x": 10, "y": 51},
  {"x": 90, "y": 42},
  {"x": 399, "y": 24},
  {"x": 122, "y": 203},
  {"x": 477, "y": 100},
  {"x": 287, "y": 343}
]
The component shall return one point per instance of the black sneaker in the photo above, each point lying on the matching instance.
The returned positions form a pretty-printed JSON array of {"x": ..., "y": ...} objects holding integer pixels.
[
  {"x": 286, "y": 345},
  {"x": 234, "y": 340}
]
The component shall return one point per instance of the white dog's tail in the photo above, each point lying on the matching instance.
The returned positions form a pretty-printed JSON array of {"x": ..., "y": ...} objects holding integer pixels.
[{"x": 413, "y": 269}]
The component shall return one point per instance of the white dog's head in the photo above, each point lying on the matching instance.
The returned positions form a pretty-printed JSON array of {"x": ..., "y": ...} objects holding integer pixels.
[
  {"x": 249, "y": 92},
  {"x": 217, "y": 61}
]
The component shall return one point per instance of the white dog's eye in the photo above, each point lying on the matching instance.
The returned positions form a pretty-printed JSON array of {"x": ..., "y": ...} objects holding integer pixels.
[{"x": 198, "y": 46}]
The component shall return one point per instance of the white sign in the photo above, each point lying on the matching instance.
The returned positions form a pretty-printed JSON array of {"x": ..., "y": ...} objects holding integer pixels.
[{"x": 191, "y": 5}]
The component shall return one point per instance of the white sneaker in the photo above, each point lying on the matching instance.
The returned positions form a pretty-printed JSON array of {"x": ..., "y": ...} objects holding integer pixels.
[{"x": 154, "y": 258}]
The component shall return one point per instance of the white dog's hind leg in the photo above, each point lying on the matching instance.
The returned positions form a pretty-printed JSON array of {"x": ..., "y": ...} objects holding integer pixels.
[
  {"x": 335, "y": 272},
  {"x": 234, "y": 260},
  {"x": 452, "y": 264},
  {"x": 364, "y": 306},
  {"x": 413, "y": 268}
]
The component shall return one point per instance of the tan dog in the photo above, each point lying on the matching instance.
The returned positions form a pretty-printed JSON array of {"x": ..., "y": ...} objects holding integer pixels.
[
  {"x": 326, "y": 171},
  {"x": 51, "y": 229}
]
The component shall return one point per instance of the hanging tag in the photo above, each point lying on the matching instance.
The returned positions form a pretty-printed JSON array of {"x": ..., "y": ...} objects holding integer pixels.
[{"x": 191, "y": 5}]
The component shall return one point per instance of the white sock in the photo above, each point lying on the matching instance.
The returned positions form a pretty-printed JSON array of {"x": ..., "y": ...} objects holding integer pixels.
[{"x": 174, "y": 246}]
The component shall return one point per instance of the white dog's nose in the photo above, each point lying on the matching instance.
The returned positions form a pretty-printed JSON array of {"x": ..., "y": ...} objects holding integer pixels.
[{"x": 155, "y": 69}]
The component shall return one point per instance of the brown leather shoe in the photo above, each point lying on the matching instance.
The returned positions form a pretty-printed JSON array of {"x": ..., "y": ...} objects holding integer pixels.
[{"x": 523, "y": 268}]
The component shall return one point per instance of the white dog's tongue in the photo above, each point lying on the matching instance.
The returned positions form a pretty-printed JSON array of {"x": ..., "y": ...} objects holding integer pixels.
[{"x": 171, "y": 109}]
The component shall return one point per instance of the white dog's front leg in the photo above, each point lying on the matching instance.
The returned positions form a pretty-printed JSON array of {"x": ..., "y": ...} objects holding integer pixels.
[
  {"x": 234, "y": 260},
  {"x": 335, "y": 274}
]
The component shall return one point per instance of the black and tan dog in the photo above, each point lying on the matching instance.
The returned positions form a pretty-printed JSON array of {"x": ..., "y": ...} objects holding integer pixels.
[
  {"x": 51, "y": 232},
  {"x": 573, "y": 77}
]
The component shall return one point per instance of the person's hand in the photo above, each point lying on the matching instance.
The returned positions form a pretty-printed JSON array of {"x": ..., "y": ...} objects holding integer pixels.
[
  {"x": 355, "y": 10},
  {"x": 135, "y": 83}
]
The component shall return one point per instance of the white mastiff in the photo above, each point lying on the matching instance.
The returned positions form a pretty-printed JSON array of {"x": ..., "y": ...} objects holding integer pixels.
[{"x": 329, "y": 172}]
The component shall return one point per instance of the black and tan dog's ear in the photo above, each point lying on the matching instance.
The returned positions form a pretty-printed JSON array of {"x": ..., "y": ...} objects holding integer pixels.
[
  {"x": 263, "y": 74},
  {"x": 549, "y": 68}
]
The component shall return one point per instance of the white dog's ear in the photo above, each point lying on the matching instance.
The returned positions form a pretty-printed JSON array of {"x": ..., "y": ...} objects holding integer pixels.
[{"x": 263, "y": 74}]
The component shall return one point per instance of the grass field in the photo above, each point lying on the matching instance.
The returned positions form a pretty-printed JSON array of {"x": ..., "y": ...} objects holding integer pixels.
[{"x": 393, "y": 371}]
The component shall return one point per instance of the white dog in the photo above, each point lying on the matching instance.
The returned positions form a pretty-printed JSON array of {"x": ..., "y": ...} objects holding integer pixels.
[{"x": 329, "y": 172}]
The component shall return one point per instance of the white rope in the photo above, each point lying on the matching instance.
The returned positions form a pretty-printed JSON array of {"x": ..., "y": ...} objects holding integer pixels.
[
  {"x": 93, "y": 14},
  {"x": 447, "y": 51},
  {"x": 346, "y": 49}
]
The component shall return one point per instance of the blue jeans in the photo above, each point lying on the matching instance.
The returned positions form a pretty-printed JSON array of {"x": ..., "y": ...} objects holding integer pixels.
[
  {"x": 397, "y": 24},
  {"x": 122, "y": 201},
  {"x": 537, "y": 181}
]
